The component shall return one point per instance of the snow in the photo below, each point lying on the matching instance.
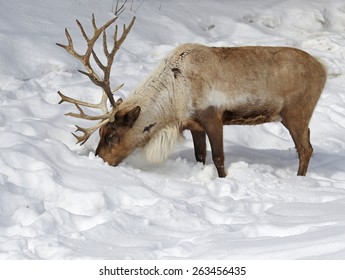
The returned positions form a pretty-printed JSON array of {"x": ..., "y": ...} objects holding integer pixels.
[{"x": 59, "y": 201}]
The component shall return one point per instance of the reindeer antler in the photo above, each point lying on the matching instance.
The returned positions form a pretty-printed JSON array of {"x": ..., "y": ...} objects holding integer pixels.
[{"x": 104, "y": 82}]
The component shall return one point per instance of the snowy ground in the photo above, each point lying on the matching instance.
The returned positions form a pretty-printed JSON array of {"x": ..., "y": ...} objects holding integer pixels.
[{"x": 59, "y": 201}]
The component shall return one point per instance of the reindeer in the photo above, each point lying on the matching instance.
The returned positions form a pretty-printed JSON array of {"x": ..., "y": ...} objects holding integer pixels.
[{"x": 200, "y": 88}]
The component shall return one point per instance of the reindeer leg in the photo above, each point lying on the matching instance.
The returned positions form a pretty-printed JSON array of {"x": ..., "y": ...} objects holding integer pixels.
[
  {"x": 301, "y": 138},
  {"x": 304, "y": 149},
  {"x": 213, "y": 126},
  {"x": 199, "y": 140}
]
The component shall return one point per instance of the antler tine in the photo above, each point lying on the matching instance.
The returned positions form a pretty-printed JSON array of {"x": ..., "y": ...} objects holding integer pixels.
[
  {"x": 83, "y": 32},
  {"x": 93, "y": 20},
  {"x": 127, "y": 30},
  {"x": 101, "y": 105},
  {"x": 84, "y": 116},
  {"x": 69, "y": 48},
  {"x": 87, "y": 132}
]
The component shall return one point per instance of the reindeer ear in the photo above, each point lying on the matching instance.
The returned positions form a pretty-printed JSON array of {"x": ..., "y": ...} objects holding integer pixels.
[{"x": 127, "y": 118}]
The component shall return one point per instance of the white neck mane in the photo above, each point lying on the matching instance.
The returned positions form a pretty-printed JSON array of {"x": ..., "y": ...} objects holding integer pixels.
[{"x": 162, "y": 144}]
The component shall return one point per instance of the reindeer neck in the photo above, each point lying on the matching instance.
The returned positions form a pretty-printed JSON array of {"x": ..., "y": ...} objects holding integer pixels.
[{"x": 161, "y": 106}]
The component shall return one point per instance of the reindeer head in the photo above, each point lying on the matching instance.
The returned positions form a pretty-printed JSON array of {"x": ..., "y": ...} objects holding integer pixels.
[
  {"x": 114, "y": 124},
  {"x": 116, "y": 141}
]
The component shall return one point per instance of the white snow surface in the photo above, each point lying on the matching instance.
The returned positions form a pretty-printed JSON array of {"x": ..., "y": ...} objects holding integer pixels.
[{"x": 59, "y": 201}]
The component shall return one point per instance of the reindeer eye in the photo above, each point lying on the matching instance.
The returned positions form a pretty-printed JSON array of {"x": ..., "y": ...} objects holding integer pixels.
[
  {"x": 111, "y": 124},
  {"x": 113, "y": 138}
]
